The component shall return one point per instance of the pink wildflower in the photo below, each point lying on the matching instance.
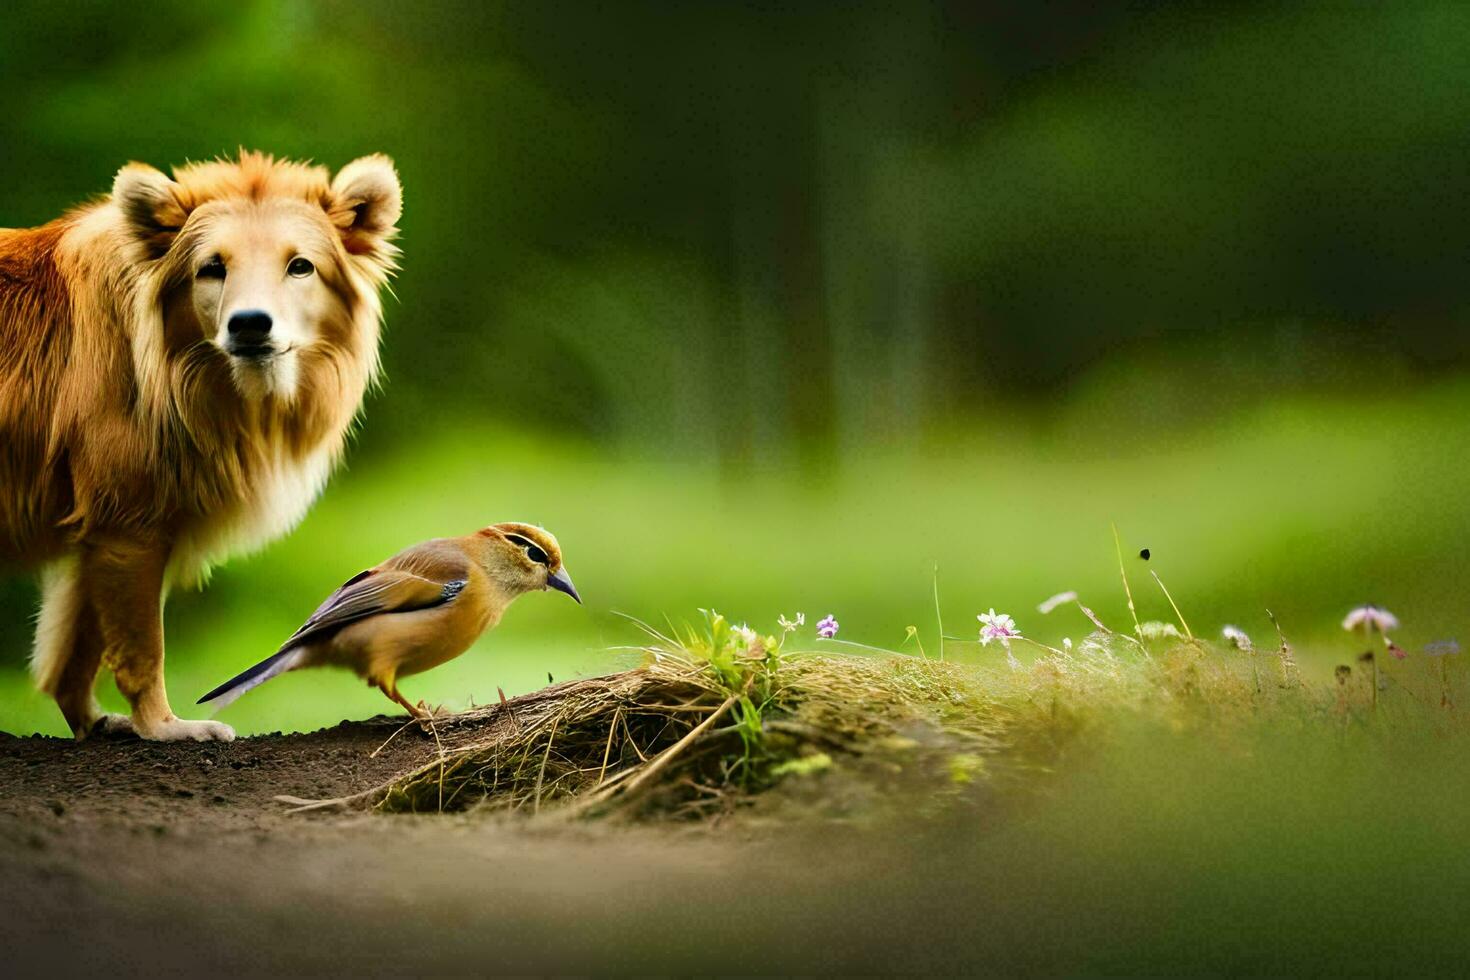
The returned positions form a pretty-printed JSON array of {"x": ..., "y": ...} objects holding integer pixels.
[{"x": 997, "y": 626}]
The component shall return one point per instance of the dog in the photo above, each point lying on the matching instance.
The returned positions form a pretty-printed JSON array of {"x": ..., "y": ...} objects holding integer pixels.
[{"x": 180, "y": 365}]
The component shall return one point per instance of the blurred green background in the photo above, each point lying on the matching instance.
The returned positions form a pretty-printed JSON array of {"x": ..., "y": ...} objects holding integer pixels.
[{"x": 775, "y": 308}]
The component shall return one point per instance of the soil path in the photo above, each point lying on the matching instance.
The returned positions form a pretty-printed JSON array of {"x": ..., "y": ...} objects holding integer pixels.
[
  {"x": 125, "y": 857},
  {"x": 217, "y": 785}
]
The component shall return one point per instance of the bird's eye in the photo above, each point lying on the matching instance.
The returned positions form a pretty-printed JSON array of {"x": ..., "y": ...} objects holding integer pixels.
[
  {"x": 213, "y": 269},
  {"x": 300, "y": 267},
  {"x": 533, "y": 550}
]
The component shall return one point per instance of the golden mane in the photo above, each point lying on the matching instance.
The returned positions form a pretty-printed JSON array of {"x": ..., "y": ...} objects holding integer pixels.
[{"x": 127, "y": 436}]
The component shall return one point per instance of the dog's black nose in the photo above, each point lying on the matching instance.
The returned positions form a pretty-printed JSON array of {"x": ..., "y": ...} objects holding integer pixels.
[{"x": 249, "y": 326}]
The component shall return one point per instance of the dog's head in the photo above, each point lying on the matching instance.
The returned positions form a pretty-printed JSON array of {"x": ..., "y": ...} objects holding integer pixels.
[{"x": 266, "y": 263}]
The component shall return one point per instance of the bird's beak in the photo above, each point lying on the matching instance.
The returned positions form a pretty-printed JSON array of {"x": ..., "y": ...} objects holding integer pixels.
[{"x": 562, "y": 582}]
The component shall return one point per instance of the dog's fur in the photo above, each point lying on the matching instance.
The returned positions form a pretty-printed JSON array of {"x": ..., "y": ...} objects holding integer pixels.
[{"x": 140, "y": 439}]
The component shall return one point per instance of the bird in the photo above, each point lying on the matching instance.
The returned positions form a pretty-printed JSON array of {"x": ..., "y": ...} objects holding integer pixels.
[{"x": 423, "y": 607}]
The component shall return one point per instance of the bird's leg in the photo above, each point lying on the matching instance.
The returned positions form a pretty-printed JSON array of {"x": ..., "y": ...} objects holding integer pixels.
[
  {"x": 390, "y": 690},
  {"x": 433, "y": 710},
  {"x": 422, "y": 712}
]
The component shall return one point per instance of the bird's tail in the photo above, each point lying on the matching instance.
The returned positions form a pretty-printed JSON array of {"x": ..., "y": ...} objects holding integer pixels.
[{"x": 271, "y": 666}]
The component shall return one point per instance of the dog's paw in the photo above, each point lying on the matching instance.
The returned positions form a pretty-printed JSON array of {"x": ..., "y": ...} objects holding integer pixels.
[
  {"x": 111, "y": 725},
  {"x": 179, "y": 730}
]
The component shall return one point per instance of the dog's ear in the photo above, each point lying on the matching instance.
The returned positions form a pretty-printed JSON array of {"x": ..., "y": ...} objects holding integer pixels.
[
  {"x": 365, "y": 203},
  {"x": 152, "y": 204}
]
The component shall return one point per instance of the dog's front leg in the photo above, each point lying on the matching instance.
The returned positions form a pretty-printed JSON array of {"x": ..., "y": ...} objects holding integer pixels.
[{"x": 123, "y": 583}]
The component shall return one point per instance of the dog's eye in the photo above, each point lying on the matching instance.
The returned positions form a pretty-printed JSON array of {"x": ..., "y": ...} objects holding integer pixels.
[
  {"x": 213, "y": 269},
  {"x": 300, "y": 267}
]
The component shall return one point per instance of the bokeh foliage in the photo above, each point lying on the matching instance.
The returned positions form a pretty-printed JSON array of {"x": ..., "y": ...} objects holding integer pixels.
[
  {"x": 847, "y": 221},
  {"x": 762, "y": 305}
]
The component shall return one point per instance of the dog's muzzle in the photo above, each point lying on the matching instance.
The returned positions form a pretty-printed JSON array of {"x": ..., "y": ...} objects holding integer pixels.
[{"x": 249, "y": 335}]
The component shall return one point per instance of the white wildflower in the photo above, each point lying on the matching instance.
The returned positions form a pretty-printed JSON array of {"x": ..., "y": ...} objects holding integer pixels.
[
  {"x": 1370, "y": 618},
  {"x": 790, "y": 624},
  {"x": 1237, "y": 638}
]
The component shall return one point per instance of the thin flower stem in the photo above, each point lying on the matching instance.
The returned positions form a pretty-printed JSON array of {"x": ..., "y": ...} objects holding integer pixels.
[
  {"x": 1024, "y": 639},
  {"x": 938, "y": 616},
  {"x": 860, "y": 646},
  {"x": 1132, "y": 609},
  {"x": 1136, "y": 641},
  {"x": 1187, "y": 633},
  {"x": 1288, "y": 665},
  {"x": 1038, "y": 643},
  {"x": 1102, "y": 627},
  {"x": 1375, "y": 683}
]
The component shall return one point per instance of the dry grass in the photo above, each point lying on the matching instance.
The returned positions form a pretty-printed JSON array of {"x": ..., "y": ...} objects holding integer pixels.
[
  {"x": 677, "y": 737},
  {"x": 714, "y": 717},
  {"x": 690, "y": 734}
]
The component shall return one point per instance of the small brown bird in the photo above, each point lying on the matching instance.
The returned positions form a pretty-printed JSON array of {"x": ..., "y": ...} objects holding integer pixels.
[{"x": 417, "y": 610}]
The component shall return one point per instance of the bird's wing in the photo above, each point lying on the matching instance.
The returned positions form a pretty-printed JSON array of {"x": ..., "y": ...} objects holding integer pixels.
[{"x": 385, "y": 589}]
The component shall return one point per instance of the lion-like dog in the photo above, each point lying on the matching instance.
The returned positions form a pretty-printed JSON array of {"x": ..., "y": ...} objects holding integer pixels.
[{"x": 180, "y": 364}]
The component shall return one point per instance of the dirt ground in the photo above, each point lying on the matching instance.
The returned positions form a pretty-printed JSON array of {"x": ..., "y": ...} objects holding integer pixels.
[{"x": 131, "y": 857}]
